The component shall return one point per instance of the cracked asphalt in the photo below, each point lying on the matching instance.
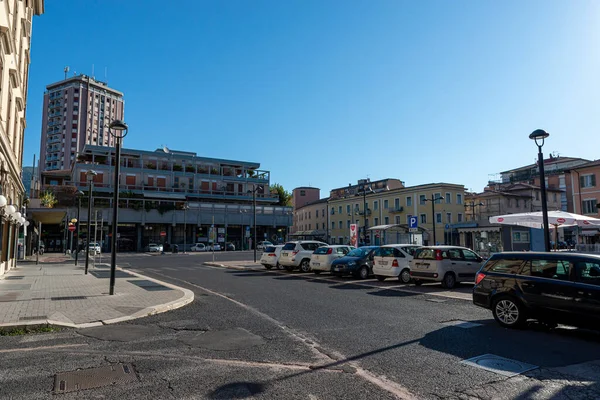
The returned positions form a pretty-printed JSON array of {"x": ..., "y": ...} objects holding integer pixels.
[{"x": 272, "y": 335}]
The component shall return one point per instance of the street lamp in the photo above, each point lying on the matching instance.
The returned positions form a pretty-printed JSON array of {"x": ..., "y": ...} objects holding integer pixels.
[
  {"x": 79, "y": 195},
  {"x": 185, "y": 208},
  {"x": 253, "y": 191},
  {"x": 72, "y": 223},
  {"x": 90, "y": 178},
  {"x": 118, "y": 129},
  {"x": 363, "y": 186},
  {"x": 433, "y": 199},
  {"x": 538, "y": 136}
]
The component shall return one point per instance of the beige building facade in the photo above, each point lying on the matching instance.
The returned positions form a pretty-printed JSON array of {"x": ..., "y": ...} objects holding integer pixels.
[{"x": 16, "y": 18}]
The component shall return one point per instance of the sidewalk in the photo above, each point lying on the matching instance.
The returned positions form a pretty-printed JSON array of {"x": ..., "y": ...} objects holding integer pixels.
[
  {"x": 239, "y": 265},
  {"x": 58, "y": 293}
]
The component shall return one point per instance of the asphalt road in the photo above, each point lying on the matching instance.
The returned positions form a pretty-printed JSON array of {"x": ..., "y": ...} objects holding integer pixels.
[{"x": 278, "y": 335}]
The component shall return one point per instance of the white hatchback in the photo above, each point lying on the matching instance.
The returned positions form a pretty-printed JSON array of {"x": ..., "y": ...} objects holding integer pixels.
[
  {"x": 198, "y": 247},
  {"x": 322, "y": 258},
  {"x": 445, "y": 264},
  {"x": 270, "y": 257},
  {"x": 297, "y": 254},
  {"x": 391, "y": 260}
]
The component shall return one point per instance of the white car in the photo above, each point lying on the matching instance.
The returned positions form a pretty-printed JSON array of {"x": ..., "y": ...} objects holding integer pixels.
[
  {"x": 198, "y": 247},
  {"x": 154, "y": 248},
  {"x": 261, "y": 245},
  {"x": 94, "y": 248},
  {"x": 322, "y": 258},
  {"x": 391, "y": 260},
  {"x": 445, "y": 264},
  {"x": 270, "y": 257},
  {"x": 297, "y": 254},
  {"x": 213, "y": 247}
]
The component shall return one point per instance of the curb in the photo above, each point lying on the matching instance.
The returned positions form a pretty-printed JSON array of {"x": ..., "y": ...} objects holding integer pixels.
[
  {"x": 188, "y": 297},
  {"x": 236, "y": 267}
]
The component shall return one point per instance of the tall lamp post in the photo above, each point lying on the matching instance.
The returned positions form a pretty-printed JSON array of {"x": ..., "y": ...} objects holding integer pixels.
[
  {"x": 118, "y": 129},
  {"x": 72, "y": 223},
  {"x": 538, "y": 136},
  {"x": 363, "y": 185},
  {"x": 255, "y": 243},
  {"x": 90, "y": 178},
  {"x": 185, "y": 208},
  {"x": 79, "y": 195},
  {"x": 433, "y": 199}
]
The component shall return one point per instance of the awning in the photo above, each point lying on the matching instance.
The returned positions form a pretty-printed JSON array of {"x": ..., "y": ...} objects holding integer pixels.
[
  {"x": 589, "y": 232},
  {"x": 165, "y": 196},
  {"x": 480, "y": 229},
  {"x": 392, "y": 226},
  {"x": 47, "y": 215},
  {"x": 309, "y": 233}
]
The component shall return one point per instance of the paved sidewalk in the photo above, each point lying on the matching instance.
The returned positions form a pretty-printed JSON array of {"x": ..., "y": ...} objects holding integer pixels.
[{"x": 60, "y": 294}]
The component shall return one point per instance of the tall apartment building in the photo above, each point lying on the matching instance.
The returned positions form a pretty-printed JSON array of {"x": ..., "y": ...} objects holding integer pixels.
[
  {"x": 15, "y": 40},
  {"x": 77, "y": 112}
]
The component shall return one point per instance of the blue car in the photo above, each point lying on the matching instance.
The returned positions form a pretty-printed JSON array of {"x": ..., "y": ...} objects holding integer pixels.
[{"x": 358, "y": 263}]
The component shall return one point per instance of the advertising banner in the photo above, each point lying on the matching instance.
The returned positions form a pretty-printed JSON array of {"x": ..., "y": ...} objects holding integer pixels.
[{"x": 354, "y": 235}]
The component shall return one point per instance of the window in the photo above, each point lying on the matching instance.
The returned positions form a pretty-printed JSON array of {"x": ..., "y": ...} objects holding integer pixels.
[
  {"x": 386, "y": 220},
  {"x": 459, "y": 217},
  {"x": 397, "y": 219},
  {"x": 448, "y": 218},
  {"x": 438, "y": 218},
  {"x": 348, "y": 208},
  {"x": 438, "y": 198},
  {"x": 323, "y": 225},
  {"x": 588, "y": 272},
  {"x": 459, "y": 198},
  {"x": 589, "y": 206},
  {"x": 455, "y": 254},
  {"x": 385, "y": 205},
  {"x": 423, "y": 218},
  {"x": 309, "y": 215},
  {"x": 340, "y": 209},
  {"x": 302, "y": 193},
  {"x": 517, "y": 203},
  {"x": 396, "y": 204},
  {"x": 332, "y": 225},
  {"x": 422, "y": 199},
  {"x": 348, "y": 224},
  {"x": 316, "y": 213},
  {"x": 469, "y": 255},
  {"x": 340, "y": 224},
  {"x": 448, "y": 200},
  {"x": 537, "y": 195},
  {"x": 586, "y": 181},
  {"x": 375, "y": 205},
  {"x": 509, "y": 201},
  {"x": 520, "y": 237},
  {"x": 555, "y": 198},
  {"x": 553, "y": 269},
  {"x": 505, "y": 266}
]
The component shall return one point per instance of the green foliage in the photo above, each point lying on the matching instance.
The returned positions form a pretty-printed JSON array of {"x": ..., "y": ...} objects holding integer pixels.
[
  {"x": 48, "y": 199},
  {"x": 164, "y": 207},
  {"x": 285, "y": 197}
]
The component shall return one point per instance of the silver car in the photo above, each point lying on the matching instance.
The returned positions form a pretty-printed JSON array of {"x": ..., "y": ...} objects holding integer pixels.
[{"x": 445, "y": 264}]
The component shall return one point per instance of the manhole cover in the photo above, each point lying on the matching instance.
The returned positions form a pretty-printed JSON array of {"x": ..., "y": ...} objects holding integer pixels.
[
  {"x": 461, "y": 324},
  {"x": 499, "y": 365},
  {"x": 231, "y": 339},
  {"x": 14, "y": 278},
  {"x": 68, "y": 298},
  {"x": 118, "y": 374}
]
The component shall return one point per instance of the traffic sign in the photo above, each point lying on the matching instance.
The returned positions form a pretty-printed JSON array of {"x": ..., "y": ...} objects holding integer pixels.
[
  {"x": 72, "y": 228},
  {"x": 163, "y": 233},
  {"x": 413, "y": 222}
]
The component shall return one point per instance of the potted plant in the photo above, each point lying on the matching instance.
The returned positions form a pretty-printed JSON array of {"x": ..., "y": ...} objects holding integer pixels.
[
  {"x": 177, "y": 167},
  {"x": 190, "y": 168}
]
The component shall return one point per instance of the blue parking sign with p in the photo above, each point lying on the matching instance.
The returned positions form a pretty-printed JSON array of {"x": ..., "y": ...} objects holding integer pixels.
[{"x": 413, "y": 222}]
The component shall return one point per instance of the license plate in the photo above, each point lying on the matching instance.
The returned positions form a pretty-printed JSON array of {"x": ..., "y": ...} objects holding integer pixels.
[
  {"x": 284, "y": 254},
  {"x": 382, "y": 262},
  {"x": 316, "y": 264}
]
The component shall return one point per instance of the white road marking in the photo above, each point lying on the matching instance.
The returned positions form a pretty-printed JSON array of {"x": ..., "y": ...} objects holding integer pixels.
[{"x": 41, "y": 348}]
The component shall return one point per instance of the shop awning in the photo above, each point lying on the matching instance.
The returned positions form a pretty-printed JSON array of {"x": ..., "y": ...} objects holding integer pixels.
[
  {"x": 592, "y": 232},
  {"x": 47, "y": 215},
  {"x": 480, "y": 229}
]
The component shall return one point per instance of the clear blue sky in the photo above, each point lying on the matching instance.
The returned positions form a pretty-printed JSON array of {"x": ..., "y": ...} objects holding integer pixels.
[{"x": 323, "y": 93}]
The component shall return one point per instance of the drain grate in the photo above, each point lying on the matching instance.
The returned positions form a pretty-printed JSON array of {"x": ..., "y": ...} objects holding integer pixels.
[
  {"x": 33, "y": 318},
  {"x": 68, "y": 298},
  {"x": 66, "y": 382},
  {"x": 14, "y": 278},
  {"x": 457, "y": 323},
  {"x": 149, "y": 285},
  {"x": 499, "y": 365}
]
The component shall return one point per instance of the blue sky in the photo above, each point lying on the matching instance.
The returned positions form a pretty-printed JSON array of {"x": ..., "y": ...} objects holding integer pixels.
[{"x": 324, "y": 93}]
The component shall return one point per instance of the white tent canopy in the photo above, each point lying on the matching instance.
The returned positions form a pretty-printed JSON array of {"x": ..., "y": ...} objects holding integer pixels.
[{"x": 555, "y": 218}]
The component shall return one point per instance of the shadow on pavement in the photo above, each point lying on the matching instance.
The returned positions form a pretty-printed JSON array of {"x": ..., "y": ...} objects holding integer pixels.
[{"x": 393, "y": 293}]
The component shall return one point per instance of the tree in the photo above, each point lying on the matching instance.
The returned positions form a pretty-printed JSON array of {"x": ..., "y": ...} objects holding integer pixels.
[{"x": 285, "y": 197}]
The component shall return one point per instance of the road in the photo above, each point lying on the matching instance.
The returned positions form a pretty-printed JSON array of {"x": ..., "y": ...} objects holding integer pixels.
[{"x": 279, "y": 335}]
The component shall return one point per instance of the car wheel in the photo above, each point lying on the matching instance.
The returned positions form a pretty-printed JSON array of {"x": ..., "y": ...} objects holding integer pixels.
[
  {"x": 363, "y": 273},
  {"x": 289, "y": 268},
  {"x": 305, "y": 266},
  {"x": 418, "y": 282},
  {"x": 316, "y": 272},
  {"x": 449, "y": 280},
  {"x": 404, "y": 276},
  {"x": 279, "y": 266},
  {"x": 380, "y": 278},
  {"x": 267, "y": 266},
  {"x": 509, "y": 312}
]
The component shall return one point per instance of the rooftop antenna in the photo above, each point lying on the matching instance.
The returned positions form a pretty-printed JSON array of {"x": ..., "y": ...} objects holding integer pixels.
[
  {"x": 66, "y": 71},
  {"x": 93, "y": 77}
]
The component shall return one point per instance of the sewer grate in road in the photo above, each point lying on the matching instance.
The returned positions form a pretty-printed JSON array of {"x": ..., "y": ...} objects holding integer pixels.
[
  {"x": 68, "y": 298},
  {"x": 457, "y": 323},
  {"x": 14, "y": 278},
  {"x": 73, "y": 381},
  {"x": 33, "y": 318},
  {"x": 499, "y": 365}
]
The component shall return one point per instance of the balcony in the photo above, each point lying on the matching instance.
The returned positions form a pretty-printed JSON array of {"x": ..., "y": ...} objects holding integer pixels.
[{"x": 396, "y": 210}]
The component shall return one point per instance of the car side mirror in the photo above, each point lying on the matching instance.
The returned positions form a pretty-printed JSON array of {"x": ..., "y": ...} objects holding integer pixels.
[{"x": 479, "y": 259}]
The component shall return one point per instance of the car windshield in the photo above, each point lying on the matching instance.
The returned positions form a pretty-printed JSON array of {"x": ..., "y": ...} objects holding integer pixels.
[
  {"x": 322, "y": 250},
  {"x": 360, "y": 252}
]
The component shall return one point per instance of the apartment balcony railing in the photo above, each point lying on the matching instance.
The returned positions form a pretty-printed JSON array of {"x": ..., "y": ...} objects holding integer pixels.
[{"x": 396, "y": 210}]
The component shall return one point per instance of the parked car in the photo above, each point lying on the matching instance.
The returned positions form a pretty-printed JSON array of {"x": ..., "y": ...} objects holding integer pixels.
[
  {"x": 553, "y": 288},
  {"x": 213, "y": 247},
  {"x": 297, "y": 254},
  {"x": 198, "y": 247},
  {"x": 445, "y": 264},
  {"x": 270, "y": 257},
  {"x": 358, "y": 263},
  {"x": 391, "y": 260},
  {"x": 321, "y": 259},
  {"x": 261, "y": 245},
  {"x": 94, "y": 247},
  {"x": 153, "y": 248}
]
